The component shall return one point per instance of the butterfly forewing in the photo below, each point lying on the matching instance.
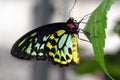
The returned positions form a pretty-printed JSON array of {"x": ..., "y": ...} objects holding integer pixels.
[
  {"x": 28, "y": 46},
  {"x": 52, "y": 42}
]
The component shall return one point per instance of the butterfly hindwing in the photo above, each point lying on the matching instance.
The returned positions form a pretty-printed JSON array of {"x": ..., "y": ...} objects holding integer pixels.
[
  {"x": 60, "y": 51},
  {"x": 63, "y": 48}
]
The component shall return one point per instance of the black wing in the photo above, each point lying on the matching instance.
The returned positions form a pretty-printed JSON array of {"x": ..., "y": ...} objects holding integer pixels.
[{"x": 52, "y": 42}]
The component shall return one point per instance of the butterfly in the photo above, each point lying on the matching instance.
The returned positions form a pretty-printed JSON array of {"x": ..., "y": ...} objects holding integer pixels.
[{"x": 55, "y": 42}]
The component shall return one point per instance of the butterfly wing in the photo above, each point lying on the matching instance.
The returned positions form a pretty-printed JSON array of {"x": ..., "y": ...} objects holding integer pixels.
[
  {"x": 63, "y": 48},
  {"x": 51, "y": 42}
]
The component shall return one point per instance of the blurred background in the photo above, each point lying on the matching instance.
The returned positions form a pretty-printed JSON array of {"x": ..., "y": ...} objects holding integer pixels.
[{"x": 20, "y": 16}]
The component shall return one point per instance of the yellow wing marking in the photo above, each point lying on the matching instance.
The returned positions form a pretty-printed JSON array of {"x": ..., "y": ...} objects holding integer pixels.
[
  {"x": 57, "y": 59},
  {"x": 60, "y": 32},
  {"x": 75, "y": 54},
  {"x": 64, "y": 56},
  {"x": 51, "y": 54},
  {"x": 52, "y": 36},
  {"x": 49, "y": 45}
]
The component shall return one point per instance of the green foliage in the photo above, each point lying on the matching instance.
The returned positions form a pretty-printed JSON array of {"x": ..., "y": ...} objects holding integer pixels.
[
  {"x": 90, "y": 66},
  {"x": 86, "y": 67},
  {"x": 113, "y": 61},
  {"x": 96, "y": 31},
  {"x": 117, "y": 28}
]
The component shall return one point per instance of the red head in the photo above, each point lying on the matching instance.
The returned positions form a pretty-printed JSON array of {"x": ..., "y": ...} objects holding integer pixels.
[{"x": 73, "y": 25}]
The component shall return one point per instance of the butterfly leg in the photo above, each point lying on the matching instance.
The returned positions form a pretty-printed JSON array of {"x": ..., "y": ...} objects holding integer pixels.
[{"x": 82, "y": 31}]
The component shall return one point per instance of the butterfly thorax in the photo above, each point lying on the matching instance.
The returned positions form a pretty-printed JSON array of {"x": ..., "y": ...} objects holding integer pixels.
[{"x": 73, "y": 25}]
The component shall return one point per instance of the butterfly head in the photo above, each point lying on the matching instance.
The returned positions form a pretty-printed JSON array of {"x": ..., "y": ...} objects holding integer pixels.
[{"x": 73, "y": 25}]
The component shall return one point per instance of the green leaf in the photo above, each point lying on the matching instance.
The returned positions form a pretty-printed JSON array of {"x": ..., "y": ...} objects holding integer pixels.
[
  {"x": 117, "y": 28},
  {"x": 113, "y": 61},
  {"x": 86, "y": 67},
  {"x": 95, "y": 31}
]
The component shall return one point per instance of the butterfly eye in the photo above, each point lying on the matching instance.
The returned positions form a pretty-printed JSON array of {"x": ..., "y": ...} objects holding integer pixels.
[{"x": 71, "y": 20}]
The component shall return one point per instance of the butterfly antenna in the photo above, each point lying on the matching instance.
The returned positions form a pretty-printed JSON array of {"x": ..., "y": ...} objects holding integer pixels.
[
  {"x": 84, "y": 18},
  {"x": 72, "y": 7}
]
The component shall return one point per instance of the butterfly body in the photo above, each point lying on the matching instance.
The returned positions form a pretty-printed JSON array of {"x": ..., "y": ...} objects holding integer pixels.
[{"x": 56, "y": 42}]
